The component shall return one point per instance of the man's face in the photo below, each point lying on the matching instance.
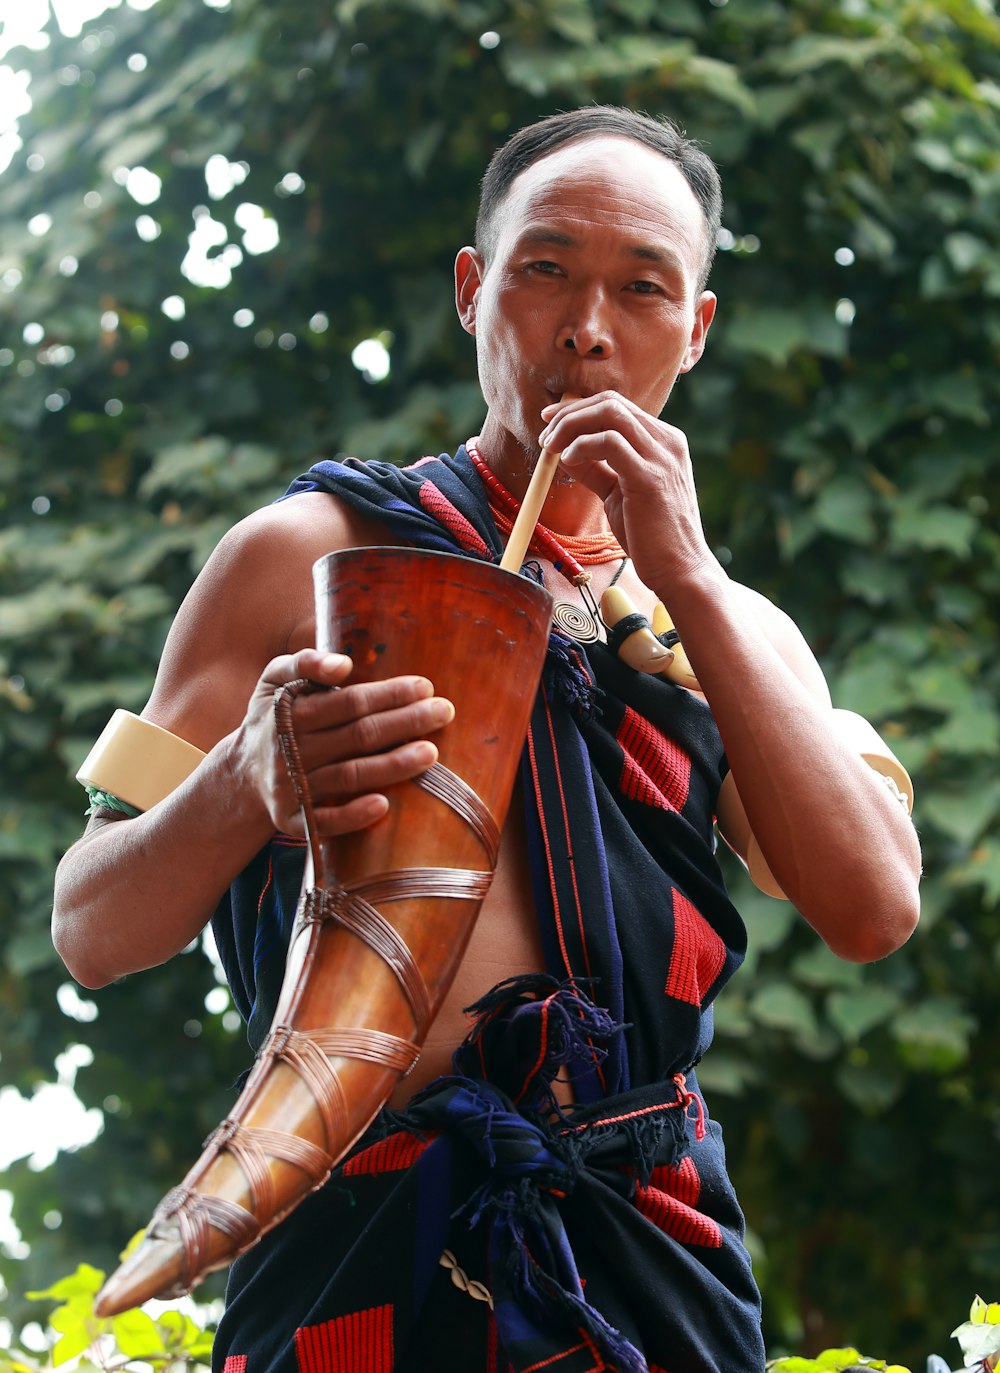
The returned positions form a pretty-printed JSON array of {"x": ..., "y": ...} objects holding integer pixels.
[{"x": 592, "y": 284}]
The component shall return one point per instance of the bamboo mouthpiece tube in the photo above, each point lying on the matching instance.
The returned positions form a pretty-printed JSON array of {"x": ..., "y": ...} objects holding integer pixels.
[{"x": 531, "y": 508}]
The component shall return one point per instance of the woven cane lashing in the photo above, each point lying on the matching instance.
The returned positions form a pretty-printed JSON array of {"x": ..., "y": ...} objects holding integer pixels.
[{"x": 384, "y": 916}]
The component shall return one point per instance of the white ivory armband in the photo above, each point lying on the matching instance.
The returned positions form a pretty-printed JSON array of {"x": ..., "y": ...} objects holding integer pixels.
[
  {"x": 137, "y": 761},
  {"x": 732, "y": 818}
]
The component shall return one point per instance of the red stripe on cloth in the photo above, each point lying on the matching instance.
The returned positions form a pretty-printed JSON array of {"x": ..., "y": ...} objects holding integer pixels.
[
  {"x": 569, "y": 841},
  {"x": 389, "y": 1155},
  {"x": 542, "y": 1050},
  {"x": 361, "y": 1342},
  {"x": 263, "y": 892},
  {"x": 697, "y": 956},
  {"x": 436, "y": 503},
  {"x": 656, "y": 771},
  {"x": 235, "y": 1363},
  {"x": 546, "y": 844},
  {"x": 627, "y": 1115},
  {"x": 670, "y": 1201},
  {"x": 586, "y": 1346}
]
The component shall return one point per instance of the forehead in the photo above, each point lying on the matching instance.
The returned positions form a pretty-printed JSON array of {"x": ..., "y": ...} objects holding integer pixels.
[{"x": 610, "y": 187}]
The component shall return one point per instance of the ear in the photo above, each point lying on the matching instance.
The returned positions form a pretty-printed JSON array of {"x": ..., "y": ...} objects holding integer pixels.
[
  {"x": 469, "y": 272},
  {"x": 704, "y": 313}
]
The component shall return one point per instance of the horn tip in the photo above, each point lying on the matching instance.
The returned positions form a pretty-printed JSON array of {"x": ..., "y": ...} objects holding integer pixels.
[{"x": 153, "y": 1270}]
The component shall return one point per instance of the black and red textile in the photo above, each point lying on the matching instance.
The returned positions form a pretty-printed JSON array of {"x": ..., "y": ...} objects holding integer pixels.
[{"x": 608, "y": 1237}]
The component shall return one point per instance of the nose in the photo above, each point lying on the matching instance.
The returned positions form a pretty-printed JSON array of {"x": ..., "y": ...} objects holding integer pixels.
[{"x": 587, "y": 331}]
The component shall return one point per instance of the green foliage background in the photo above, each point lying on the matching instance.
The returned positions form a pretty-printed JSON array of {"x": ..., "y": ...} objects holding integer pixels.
[{"x": 846, "y": 469}]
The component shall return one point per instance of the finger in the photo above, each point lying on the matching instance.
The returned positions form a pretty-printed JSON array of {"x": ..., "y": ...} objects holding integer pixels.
[
  {"x": 597, "y": 476},
  {"x": 347, "y": 818},
  {"x": 353, "y": 816},
  {"x": 373, "y": 731},
  {"x": 608, "y": 447},
  {"x": 571, "y": 403},
  {"x": 322, "y": 710},
  {"x": 361, "y": 776},
  {"x": 606, "y": 412},
  {"x": 327, "y": 669}
]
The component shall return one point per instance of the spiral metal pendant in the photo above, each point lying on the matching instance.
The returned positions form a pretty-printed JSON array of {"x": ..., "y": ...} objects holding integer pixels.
[{"x": 576, "y": 622}]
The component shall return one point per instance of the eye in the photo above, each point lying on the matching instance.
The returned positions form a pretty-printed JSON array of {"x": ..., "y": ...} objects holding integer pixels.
[
  {"x": 545, "y": 268},
  {"x": 644, "y": 288}
]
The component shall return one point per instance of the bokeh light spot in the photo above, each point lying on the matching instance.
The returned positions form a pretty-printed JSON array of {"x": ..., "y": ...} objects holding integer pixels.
[
  {"x": 371, "y": 358},
  {"x": 143, "y": 185},
  {"x": 260, "y": 231},
  {"x": 147, "y": 228},
  {"x": 223, "y": 176},
  {"x": 844, "y": 311}
]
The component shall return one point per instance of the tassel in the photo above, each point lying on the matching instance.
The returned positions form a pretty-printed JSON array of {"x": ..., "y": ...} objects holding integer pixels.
[{"x": 566, "y": 678}]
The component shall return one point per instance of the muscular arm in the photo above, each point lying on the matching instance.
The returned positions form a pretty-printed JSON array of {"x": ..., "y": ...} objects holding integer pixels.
[
  {"x": 131, "y": 893},
  {"x": 838, "y": 843}
]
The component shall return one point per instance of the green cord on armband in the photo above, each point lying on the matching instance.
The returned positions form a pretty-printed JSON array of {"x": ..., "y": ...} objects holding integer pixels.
[{"x": 105, "y": 798}]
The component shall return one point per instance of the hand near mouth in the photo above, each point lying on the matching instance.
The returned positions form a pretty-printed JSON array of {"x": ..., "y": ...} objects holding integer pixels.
[{"x": 641, "y": 470}]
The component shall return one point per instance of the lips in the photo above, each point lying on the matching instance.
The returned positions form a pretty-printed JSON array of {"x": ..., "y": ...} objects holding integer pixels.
[{"x": 569, "y": 390}]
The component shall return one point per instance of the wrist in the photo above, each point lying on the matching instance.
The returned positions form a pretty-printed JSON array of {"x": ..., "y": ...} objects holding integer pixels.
[
  {"x": 244, "y": 796},
  {"x": 687, "y": 589}
]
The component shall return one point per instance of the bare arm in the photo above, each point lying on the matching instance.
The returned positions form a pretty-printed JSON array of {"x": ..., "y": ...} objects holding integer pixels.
[
  {"x": 131, "y": 893},
  {"x": 839, "y": 844}
]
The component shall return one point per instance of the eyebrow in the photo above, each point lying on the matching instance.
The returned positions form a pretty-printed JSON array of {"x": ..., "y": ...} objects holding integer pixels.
[{"x": 643, "y": 252}]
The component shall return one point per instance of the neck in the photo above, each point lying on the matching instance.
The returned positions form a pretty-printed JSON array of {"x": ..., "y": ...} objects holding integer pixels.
[{"x": 570, "y": 507}]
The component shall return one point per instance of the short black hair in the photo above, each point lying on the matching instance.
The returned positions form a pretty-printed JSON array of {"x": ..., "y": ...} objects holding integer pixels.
[{"x": 535, "y": 141}]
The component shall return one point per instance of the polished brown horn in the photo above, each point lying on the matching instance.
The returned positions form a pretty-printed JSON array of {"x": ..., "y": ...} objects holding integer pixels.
[{"x": 384, "y": 915}]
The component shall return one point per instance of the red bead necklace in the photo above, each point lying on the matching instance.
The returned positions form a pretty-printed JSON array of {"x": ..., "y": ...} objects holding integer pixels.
[
  {"x": 566, "y": 552},
  {"x": 571, "y": 552}
]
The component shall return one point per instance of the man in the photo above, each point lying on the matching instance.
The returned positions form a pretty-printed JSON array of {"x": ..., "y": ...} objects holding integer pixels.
[{"x": 586, "y": 296}]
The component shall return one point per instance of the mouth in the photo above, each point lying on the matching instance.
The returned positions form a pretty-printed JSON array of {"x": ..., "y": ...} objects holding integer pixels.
[{"x": 567, "y": 389}]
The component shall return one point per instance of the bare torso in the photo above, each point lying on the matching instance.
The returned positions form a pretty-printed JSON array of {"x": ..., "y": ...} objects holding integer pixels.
[{"x": 504, "y": 942}]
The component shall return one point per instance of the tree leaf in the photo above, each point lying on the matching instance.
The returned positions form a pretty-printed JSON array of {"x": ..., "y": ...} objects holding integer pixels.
[
  {"x": 856, "y": 1011},
  {"x": 844, "y": 508},
  {"x": 935, "y": 1034},
  {"x": 86, "y": 1281},
  {"x": 781, "y": 1006},
  {"x": 870, "y": 1088},
  {"x": 938, "y": 526},
  {"x": 137, "y": 1335},
  {"x": 963, "y": 813}
]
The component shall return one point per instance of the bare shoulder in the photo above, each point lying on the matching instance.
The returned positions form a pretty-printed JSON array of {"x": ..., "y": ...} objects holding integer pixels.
[
  {"x": 251, "y": 602},
  {"x": 299, "y": 529},
  {"x": 786, "y": 637}
]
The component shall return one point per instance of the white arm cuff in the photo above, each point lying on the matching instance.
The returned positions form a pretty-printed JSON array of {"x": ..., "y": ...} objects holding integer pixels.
[
  {"x": 137, "y": 761},
  {"x": 732, "y": 818}
]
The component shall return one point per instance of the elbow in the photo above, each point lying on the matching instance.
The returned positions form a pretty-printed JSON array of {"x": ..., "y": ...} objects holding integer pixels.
[
  {"x": 74, "y": 941},
  {"x": 885, "y": 925},
  {"x": 77, "y": 956}
]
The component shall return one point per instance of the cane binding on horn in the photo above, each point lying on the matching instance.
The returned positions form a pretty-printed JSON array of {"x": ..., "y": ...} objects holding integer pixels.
[{"x": 384, "y": 915}]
